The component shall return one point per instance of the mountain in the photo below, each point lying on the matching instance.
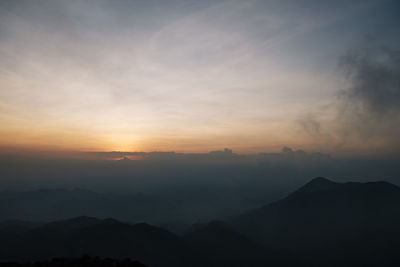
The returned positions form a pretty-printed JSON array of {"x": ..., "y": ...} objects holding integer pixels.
[
  {"x": 13, "y": 227},
  {"x": 227, "y": 247},
  {"x": 175, "y": 207},
  {"x": 59, "y": 204},
  {"x": 84, "y": 261},
  {"x": 321, "y": 223},
  {"x": 213, "y": 244},
  {"x": 328, "y": 222},
  {"x": 86, "y": 235}
]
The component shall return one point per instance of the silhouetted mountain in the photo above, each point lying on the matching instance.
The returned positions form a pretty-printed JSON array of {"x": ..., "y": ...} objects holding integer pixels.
[
  {"x": 10, "y": 228},
  {"x": 214, "y": 244},
  {"x": 227, "y": 247},
  {"x": 85, "y": 235},
  {"x": 59, "y": 204},
  {"x": 321, "y": 223},
  {"x": 330, "y": 222},
  {"x": 318, "y": 184},
  {"x": 75, "y": 223},
  {"x": 84, "y": 261},
  {"x": 180, "y": 206},
  {"x": 17, "y": 225}
]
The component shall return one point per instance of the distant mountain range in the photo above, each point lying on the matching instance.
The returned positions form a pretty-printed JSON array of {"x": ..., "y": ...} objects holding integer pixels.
[
  {"x": 321, "y": 223},
  {"x": 181, "y": 206}
]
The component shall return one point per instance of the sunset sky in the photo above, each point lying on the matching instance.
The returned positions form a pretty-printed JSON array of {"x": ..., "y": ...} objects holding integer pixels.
[{"x": 196, "y": 76}]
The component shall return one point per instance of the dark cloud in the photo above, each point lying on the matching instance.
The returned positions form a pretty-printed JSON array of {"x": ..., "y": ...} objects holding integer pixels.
[
  {"x": 374, "y": 72},
  {"x": 370, "y": 105},
  {"x": 367, "y": 109}
]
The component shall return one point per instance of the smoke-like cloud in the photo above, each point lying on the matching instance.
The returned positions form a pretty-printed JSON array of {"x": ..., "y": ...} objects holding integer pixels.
[
  {"x": 374, "y": 73},
  {"x": 370, "y": 105},
  {"x": 366, "y": 112}
]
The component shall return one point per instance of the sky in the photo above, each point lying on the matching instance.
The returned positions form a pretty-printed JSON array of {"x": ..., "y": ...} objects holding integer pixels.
[{"x": 196, "y": 76}]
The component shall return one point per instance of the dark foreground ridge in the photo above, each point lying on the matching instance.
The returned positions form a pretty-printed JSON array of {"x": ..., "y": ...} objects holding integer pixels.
[
  {"x": 84, "y": 261},
  {"x": 321, "y": 223},
  {"x": 214, "y": 244}
]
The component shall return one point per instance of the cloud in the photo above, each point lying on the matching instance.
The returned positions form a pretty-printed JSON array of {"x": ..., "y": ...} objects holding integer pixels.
[
  {"x": 365, "y": 113},
  {"x": 148, "y": 75},
  {"x": 374, "y": 72},
  {"x": 311, "y": 124},
  {"x": 370, "y": 105}
]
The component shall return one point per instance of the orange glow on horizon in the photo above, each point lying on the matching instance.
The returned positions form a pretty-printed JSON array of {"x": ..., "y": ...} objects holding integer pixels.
[{"x": 126, "y": 157}]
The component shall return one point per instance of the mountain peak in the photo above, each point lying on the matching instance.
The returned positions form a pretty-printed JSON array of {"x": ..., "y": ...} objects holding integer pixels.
[
  {"x": 315, "y": 185},
  {"x": 76, "y": 222},
  {"x": 319, "y": 183},
  {"x": 320, "y": 180}
]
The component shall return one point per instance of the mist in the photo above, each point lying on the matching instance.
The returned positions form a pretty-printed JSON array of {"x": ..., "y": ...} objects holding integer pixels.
[{"x": 181, "y": 187}]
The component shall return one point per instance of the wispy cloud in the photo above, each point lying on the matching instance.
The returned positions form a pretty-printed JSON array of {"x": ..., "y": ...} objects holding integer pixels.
[{"x": 133, "y": 75}]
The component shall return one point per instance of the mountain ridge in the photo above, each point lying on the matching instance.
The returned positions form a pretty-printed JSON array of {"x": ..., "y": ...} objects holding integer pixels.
[
  {"x": 322, "y": 215},
  {"x": 323, "y": 222}
]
